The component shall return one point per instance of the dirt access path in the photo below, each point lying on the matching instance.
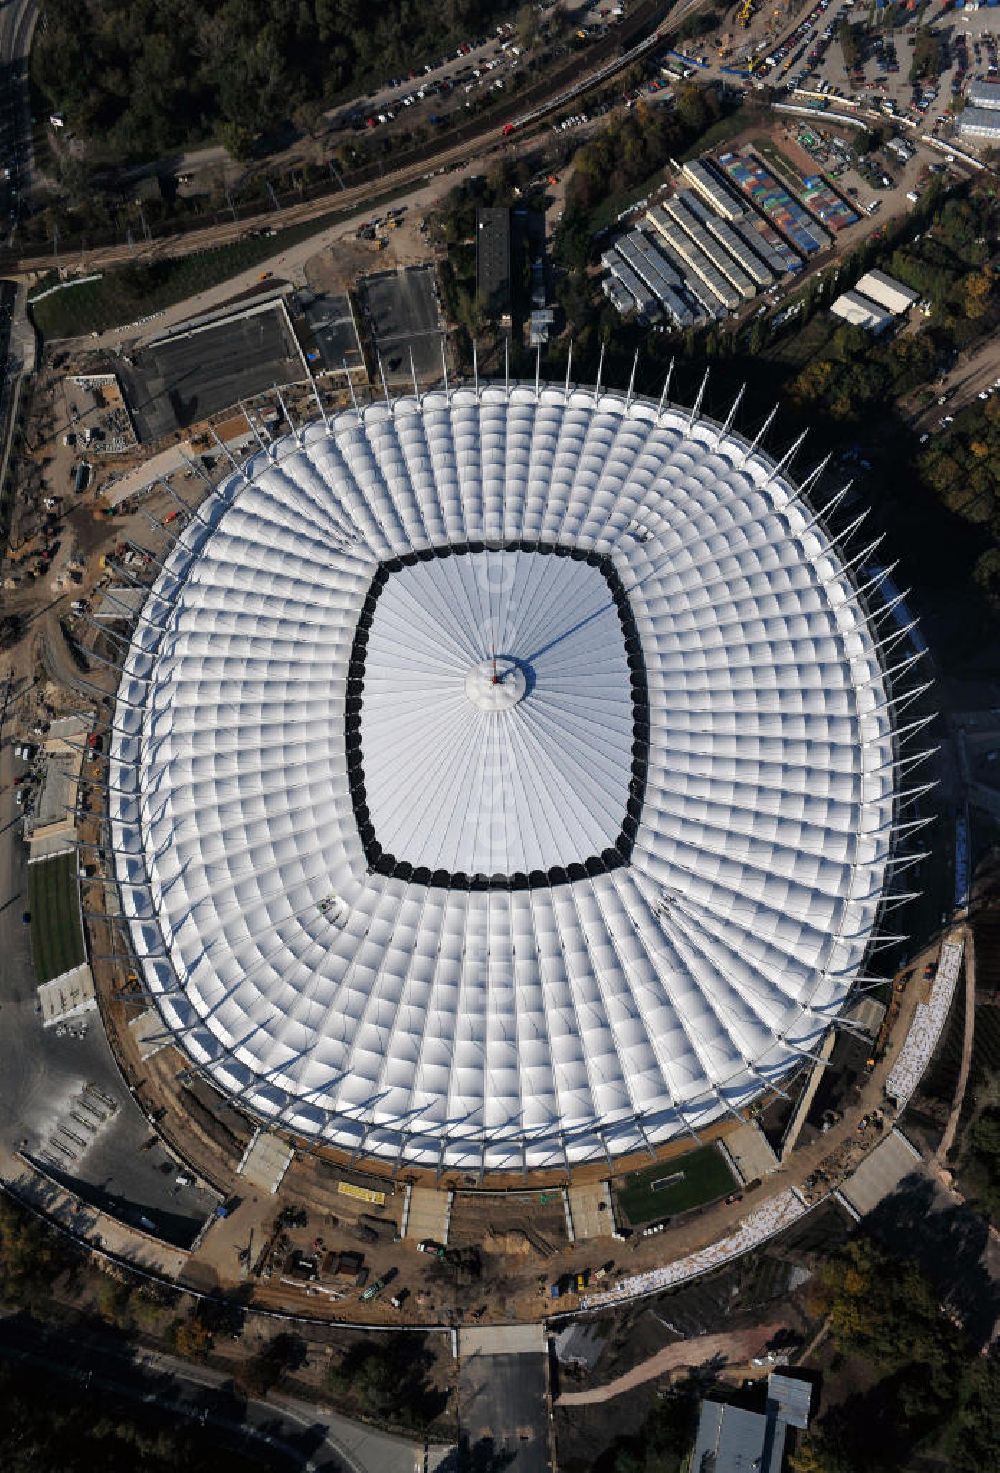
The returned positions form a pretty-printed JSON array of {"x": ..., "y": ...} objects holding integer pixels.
[{"x": 736, "y": 1348}]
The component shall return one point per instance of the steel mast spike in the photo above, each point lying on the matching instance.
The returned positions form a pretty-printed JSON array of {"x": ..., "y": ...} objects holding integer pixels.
[
  {"x": 786, "y": 459},
  {"x": 666, "y": 388},
  {"x": 350, "y": 385},
  {"x": 820, "y": 516},
  {"x": 758, "y": 437},
  {"x": 806, "y": 486},
  {"x": 696, "y": 406},
  {"x": 732, "y": 412},
  {"x": 631, "y": 380},
  {"x": 267, "y": 448},
  {"x": 295, "y": 429}
]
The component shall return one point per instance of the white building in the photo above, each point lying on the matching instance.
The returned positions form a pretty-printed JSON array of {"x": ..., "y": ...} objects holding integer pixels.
[
  {"x": 502, "y": 778},
  {"x": 887, "y": 292},
  {"x": 860, "y": 311}
]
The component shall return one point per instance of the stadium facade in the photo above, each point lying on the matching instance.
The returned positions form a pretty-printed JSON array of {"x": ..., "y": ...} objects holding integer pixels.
[{"x": 503, "y": 779}]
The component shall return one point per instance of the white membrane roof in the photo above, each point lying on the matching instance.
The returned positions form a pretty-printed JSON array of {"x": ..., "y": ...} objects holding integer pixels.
[
  {"x": 307, "y": 706},
  {"x": 532, "y": 770}
]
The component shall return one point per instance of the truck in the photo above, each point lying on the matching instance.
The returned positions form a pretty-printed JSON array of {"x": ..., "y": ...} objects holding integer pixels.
[{"x": 373, "y": 1290}]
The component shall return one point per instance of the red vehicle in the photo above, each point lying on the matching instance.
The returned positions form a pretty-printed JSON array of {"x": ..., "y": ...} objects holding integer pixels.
[{"x": 508, "y": 129}]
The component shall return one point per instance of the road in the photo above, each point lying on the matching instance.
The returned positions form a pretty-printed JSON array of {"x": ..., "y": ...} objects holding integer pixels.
[
  {"x": 972, "y": 374},
  {"x": 294, "y": 1431}
]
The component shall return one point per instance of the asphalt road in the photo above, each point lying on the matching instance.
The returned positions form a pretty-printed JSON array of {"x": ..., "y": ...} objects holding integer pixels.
[{"x": 294, "y": 1433}]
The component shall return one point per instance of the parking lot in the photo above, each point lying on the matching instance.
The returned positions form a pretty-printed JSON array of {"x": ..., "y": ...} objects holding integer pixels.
[
  {"x": 402, "y": 316},
  {"x": 176, "y": 381}
]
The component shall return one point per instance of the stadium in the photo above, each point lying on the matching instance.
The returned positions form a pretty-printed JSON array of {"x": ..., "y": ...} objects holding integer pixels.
[{"x": 503, "y": 779}]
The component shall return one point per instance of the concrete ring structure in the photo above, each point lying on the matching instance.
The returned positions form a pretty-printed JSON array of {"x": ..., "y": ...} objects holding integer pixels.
[{"x": 502, "y": 779}]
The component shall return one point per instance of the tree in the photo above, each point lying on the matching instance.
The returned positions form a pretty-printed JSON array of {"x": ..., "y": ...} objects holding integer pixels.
[
  {"x": 257, "y": 1375},
  {"x": 191, "y": 1337}
]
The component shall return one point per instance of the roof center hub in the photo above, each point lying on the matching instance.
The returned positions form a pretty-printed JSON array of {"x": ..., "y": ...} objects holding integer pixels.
[{"x": 495, "y": 685}]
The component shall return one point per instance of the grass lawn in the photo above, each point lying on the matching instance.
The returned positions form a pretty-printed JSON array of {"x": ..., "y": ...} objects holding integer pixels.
[
  {"x": 687, "y": 1181},
  {"x": 54, "y": 901}
]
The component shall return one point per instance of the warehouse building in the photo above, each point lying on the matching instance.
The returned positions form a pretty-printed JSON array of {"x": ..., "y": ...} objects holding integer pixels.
[
  {"x": 493, "y": 263},
  {"x": 695, "y": 259},
  {"x": 641, "y": 300},
  {"x": 860, "y": 312},
  {"x": 983, "y": 93},
  {"x": 979, "y": 122},
  {"x": 729, "y": 238},
  {"x": 761, "y": 237},
  {"x": 714, "y": 191},
  {"x": 887, "y": 292},
  {"x": 659, "y": 275},
  {"x": 720, "y": 259},
  {"x": 618, "y": 295}
]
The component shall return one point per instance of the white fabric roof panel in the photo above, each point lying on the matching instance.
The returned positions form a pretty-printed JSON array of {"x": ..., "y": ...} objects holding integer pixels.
[{"x": 314, "y": 687}]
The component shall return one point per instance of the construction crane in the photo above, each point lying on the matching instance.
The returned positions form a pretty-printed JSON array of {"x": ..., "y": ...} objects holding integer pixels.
[{"x": 745, "y": 13}]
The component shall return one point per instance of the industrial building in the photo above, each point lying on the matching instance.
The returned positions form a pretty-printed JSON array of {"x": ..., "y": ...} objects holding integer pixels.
[
  {"x": 719, "y": 195},
  {"x": 637, "y": 297},
  {"x": 979, "y": 122},
  {"x": 860, "y": 312},
  {"x": 724, "y": 264},
  {"x": 729, "y": 238},
  {"x": 661, "y": 277},
  {"x": 694, "y": 258},
  {"x": 887, "y": 292},
  {"x": 493, "y": 281},
  {"x": 712, "y": 251},
  {"x": 982, "y": 92},
  {"x": 733, "y": 1439}
]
